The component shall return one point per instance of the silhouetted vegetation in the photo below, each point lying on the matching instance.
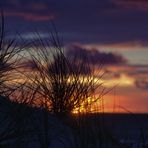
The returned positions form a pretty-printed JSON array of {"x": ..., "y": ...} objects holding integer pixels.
[
  {"x": 9, "y": 60},
  {"x": 64, "y": 85}
]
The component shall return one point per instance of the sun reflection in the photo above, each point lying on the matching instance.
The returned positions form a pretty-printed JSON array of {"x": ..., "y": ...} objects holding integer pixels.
[{"x": 90, "y": 105}]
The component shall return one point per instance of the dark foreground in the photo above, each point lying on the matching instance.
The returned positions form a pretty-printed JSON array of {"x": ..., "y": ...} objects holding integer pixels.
[{"x": 25, "y": 127}]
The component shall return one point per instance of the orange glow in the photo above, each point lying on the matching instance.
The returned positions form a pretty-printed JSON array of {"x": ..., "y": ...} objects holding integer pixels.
[
  {"x": 122, "y": 81},
  {"x": 127, "y": 95}
]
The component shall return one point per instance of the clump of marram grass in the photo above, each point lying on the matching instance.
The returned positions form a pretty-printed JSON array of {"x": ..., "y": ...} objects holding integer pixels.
[{"x": 64, "y": 85}]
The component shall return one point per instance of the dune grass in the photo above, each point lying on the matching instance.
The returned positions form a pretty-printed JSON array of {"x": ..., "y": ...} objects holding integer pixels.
[{"x": 64, "y": 85}]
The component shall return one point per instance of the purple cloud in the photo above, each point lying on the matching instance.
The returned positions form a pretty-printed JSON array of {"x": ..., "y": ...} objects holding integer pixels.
[
  {"x": 142, "y": 84},
  {"x": 141, "y": 5},
  {"x": 109, "y": 23},
  {"x": 94, "y": 56},
  {"x": 30, "y": 16}
]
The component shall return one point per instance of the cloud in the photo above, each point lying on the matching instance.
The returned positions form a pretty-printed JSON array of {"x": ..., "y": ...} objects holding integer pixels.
[
  {"x": 72, "y": 19},
  {"x": 38, "y": 6},
  {"x": 24, "y": 3},
  {"x": 94, "y": 56},
  {"x": 142, "y": 84},
  {"x": 29, "y": 10},
  {"x": 137, "y": 73},
  {"x": 30, "y": 16},
  {"x": 34, "y": 36},
  {"x": 141, "y": 5}
]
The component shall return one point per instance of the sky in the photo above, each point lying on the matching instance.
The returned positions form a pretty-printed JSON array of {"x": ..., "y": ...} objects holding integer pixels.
[{"x": 114, "y": 31}]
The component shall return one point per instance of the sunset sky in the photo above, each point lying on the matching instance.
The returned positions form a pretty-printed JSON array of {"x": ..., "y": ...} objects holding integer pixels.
[{"x": 115, "y": 31}]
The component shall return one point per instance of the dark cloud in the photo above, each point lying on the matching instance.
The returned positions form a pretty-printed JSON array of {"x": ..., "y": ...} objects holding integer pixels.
[
  {"x": 27, "y": 10},
  {"x": 38, "y": 6},
  {"x": 30, "y": 16},
  {"x": 79, "y": 60},
  {"x": 94, "y": 56},
  {"x": 138, "y": 72},
  {"x": 141, "y": 5},
  {"x": 89, "y": 21},
  {"x": 142, "y": 84}
]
